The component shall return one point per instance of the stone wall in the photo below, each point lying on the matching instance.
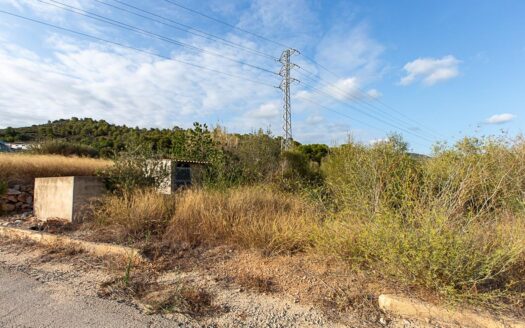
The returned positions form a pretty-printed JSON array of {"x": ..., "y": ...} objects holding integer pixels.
[{"x": 18, "y": 198}]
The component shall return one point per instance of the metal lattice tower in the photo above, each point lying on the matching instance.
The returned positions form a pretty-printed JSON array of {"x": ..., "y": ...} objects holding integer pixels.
[{"x": 285, "y": 87}]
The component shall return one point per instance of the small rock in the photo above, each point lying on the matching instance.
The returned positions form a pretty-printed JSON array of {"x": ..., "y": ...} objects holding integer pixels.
[
  {"x": 8, "y": 207},
  {"x": 13, "y": 192},
  {"x": 382, "y": 321},
  {"x": 23, "y": 197},
  {"x": 18, "y": 222}
]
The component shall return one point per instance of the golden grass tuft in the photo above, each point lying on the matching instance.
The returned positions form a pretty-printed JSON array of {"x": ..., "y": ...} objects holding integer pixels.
[
  {"x": 250, "y": 217},
  {"x": 24, "y": 168},
  {"x": 135, "y": 215}
]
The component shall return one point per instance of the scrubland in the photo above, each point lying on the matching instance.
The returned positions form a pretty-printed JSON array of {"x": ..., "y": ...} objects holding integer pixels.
[{"x": 451, "y": 225}]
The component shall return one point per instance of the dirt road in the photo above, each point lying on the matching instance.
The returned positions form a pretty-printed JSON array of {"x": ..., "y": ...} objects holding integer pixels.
[
  {"x": 41, "y": 289},
  {"x": 26, "y": 302}
]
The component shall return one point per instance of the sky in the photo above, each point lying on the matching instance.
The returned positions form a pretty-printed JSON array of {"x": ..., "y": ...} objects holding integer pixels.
[{"x": 428, "y": 70}]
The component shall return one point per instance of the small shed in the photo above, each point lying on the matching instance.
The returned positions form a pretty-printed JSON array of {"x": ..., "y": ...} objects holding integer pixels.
[{"x": 180, "y": 173}]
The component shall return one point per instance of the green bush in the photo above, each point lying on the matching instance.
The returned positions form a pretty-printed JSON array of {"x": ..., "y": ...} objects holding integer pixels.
[
  {"x": 453, "y": 223},
  {"x": 364, "y": 179},
  {"x": 65, "y": 148},
  {"x": 134, "y": 170}
]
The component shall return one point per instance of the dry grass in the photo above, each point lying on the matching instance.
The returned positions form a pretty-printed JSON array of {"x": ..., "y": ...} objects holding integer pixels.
[
  {"x": 134, "y": 216},
  {"x": 250, "y": 217},
  {"x": 23, "y": 168},
  {"x": 257, "y": 281}
]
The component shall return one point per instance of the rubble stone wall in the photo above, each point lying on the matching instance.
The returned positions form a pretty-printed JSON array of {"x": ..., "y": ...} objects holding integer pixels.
[{"x": 18, "y": 198}]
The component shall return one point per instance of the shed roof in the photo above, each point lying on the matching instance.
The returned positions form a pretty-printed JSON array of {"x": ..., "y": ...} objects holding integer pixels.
[{"x": 190, "y": 161}]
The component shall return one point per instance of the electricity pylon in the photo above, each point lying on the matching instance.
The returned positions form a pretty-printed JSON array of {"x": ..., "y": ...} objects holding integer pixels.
[{"x": 285, "y": 87}]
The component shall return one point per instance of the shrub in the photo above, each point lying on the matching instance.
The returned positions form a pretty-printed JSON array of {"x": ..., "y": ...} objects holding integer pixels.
[
  {"x": 133, "y": 170},
  {"x": 478, "y": 175},
  {"x": 477, "y": 258},
  {"x": 363, "y": 179},
  {"x": 453, "y": 223},
  {"x": 55, "y": 147}
]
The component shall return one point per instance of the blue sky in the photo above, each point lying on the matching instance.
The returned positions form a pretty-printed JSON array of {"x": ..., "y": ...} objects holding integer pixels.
[{"x": 430, "y": 70}]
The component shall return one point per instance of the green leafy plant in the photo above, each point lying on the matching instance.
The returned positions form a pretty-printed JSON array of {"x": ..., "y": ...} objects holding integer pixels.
[{"x": 3, "y": 187}]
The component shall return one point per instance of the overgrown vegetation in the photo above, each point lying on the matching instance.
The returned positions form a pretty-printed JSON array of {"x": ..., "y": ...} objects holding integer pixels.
[
  {"x": 54, "y": 147},
  {"x": 453, "y": 223}
]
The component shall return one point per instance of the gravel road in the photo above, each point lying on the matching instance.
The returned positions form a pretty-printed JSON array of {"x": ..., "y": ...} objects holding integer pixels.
[{"x": 26, "y": 302}]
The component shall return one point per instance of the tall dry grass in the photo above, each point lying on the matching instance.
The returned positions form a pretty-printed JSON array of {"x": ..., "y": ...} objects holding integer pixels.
[
  {"x": 23, "y": 168},
  {"x": 135, "y": 215},
  {"x": 251, "y": 217}
]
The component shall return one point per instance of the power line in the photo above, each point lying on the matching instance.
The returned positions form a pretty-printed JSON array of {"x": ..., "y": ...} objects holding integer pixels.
[
  {"x": 347, "y": 116},
  {"x": 186, "y": 28},
  {"x": 225, "y": 23},
  {"x": 365, "y": 94},
  {"x": 133, "y": 48},
  {"x": 358, "y": 99},
  {"x": 129, "y": 27},
  {"x": 285, "y": 46},
  {"x": 368, "y": 114}
]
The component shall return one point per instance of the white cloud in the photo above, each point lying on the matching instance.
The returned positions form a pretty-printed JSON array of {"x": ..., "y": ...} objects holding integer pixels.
[
  {"x": 314, "y": 119},
  {"x": 50, "y": 12},
  {"x": 374, "y": 93},
  {"x": 344, "y": 88},
  {"x": 500, "y": 118},
  {"x": 266, "y": 111},
  {"x": 350, "y": 51},
  {"x": 121, "y": 86},
  {"x": 291, "y": 21},
  {"x": 66, "y": 77},
  {"x": 431, "y": 70}
]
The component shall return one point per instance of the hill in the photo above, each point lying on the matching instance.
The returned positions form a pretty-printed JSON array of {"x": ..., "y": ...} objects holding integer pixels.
[{"x": 107, "y": 139}]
